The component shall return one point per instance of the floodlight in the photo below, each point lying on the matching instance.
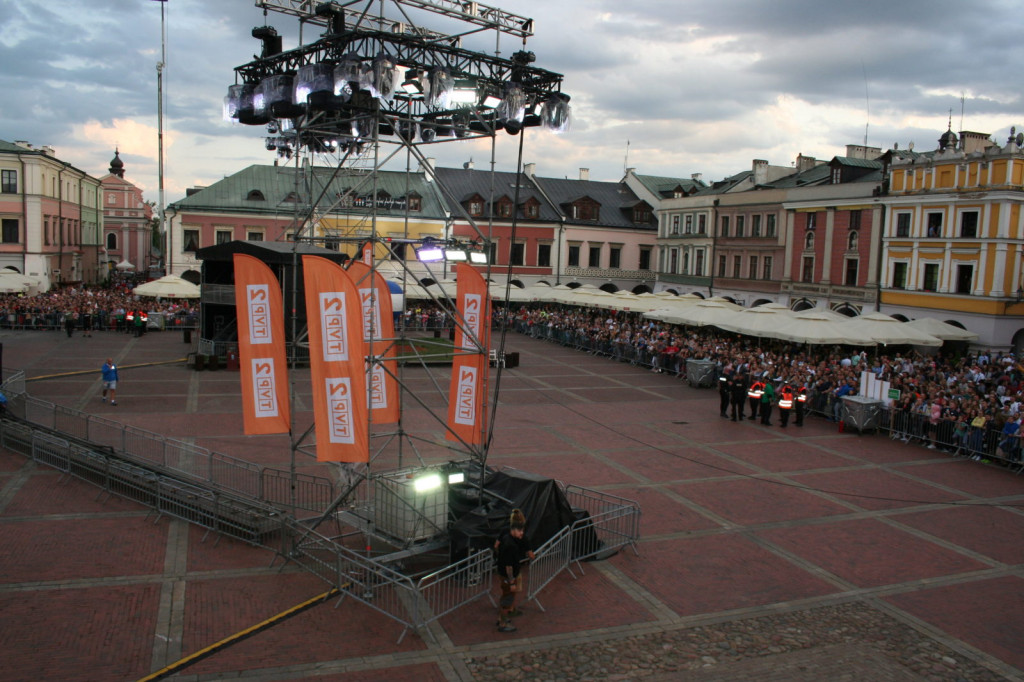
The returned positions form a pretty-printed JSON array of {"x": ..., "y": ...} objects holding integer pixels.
[
  {"x": 455, "y": 254},
  {"x": 478, "y": 257},
  {"x": 439, "y": 87},
  {"x": 412, "y": 85},
  {"x": 457, "y": 477},
  {"x": 429, "y": 253},
  {"x": 314, "y": 84},
  {"x": 427, "y": 483},
  {"x": 278, "y": 92},
  {"x": 383, "y": 80},
  {"x": 556, "y": 113},
  {"x": 490, "y": 101},
  {"x": 513, "y": 105},
  {"x": 463, "y": 92}
]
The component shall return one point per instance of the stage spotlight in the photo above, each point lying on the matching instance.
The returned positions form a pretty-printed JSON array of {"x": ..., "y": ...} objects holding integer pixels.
[
  {"x": 490, "y": 101},
  {"x": 456, "y": 478},
  {"x": 513, "y": 105},
  {"x": 412, "y": 85},
  {"x": 439, "y": 87},
  {"x": 428, "y": 133},
  {"x": 384, "y": 77},
  {"x": 455, "y": 254},
  {"x": 427, "y": 482},
  {"x": 314, "y": 85},
  {"x": 348, "y": 74},
  {"x": 278, "y": 92},
  {"x": 556, "y": 114},
  {"x": 429, "y": 252},
  {"x": 463, "y": 92},
  {"x": 478, "y": 257}
]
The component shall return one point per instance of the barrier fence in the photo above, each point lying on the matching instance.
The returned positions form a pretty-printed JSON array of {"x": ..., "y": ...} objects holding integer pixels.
[{"x": 219, "y": 471}]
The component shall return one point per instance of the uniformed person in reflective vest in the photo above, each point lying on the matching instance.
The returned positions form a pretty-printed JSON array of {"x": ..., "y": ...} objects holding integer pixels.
[
  {"x": 755, "y": 392},
  {"x": 801, "y": 404},
  {"x": 724, "y": 392},
  {"x": 786, "y": 399},
  {"x": 129, "y": 326}
]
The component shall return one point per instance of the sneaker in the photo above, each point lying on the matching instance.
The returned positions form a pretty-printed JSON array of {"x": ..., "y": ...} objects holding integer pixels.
[
  {"x": 113, "y": 402},
  {"x": 507, "y": 627}
]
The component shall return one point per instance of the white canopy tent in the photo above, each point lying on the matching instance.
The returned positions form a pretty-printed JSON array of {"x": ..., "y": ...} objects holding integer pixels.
[
  {"x": 942, "y": 330},
  {"x": 889, "y": 331},
  {"x": 168, "y": 286}
]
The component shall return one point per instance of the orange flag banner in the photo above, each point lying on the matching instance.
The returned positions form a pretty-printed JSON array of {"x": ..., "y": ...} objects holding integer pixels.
[
  {"x": 337, "y": 361},
  {"x": 261, "y": 348},
  {"x": 467, "y": 393},
  {"x": 378, "y": 324}
]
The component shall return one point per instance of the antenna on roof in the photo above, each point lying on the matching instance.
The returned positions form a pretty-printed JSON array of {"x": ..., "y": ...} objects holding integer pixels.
[
  {"x": 963, "y": 98},
  {"x": 867, "y": 103},
  {"x": 625, "y": 163}
]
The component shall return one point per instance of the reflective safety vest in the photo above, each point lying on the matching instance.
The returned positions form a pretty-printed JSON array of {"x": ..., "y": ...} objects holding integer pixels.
[
  {"x": 801, "y": 395},
  {"x": 756, "y": 390},
  {"x": 786, "y": 399},
  {"x": 131, "y": 316}
]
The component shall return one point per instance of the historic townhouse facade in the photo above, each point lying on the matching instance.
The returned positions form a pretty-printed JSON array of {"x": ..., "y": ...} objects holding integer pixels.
[
  {"x": 954, "y": 236},
  {"x": 127, "y": 224},
  {"x": 50, "y": 216}
]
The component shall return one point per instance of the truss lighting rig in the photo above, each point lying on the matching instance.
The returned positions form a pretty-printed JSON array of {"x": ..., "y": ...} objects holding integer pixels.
[{"x": 368, "y": 78}]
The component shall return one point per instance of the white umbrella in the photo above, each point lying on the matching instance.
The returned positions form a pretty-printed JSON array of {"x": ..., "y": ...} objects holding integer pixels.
[
  {"x": 12, "y": 283},
  {"x": 514, "y": 294},
  {"x": 124, "y": 265},
  {"x": 764, "y": 321},
  {"x": 703, "y": 313},
  {"x": 819, "y": 327},
  {"x": 168, "y": 286},
  {"x": 942, "y": 330},
  {"x": 889, "y": 331}
]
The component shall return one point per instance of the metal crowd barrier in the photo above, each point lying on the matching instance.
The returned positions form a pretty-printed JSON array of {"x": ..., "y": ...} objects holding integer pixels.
[
  {"x": 611, "y": 523},
  {"x": 220, "y": 471},
  {"x": 549, "y": 561}
]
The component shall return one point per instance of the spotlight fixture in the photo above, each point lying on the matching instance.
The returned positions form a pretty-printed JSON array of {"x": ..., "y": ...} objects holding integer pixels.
[
  {"x": 427, "y": 482},
  {"x": 278, "y": 92},
  {"x": 314, "y": 85},
  {"x": 455, "y": 254},
  {"x": 428, "y": 133},
  {"x": 478, "y": 257},
  {"x": 429, "y": 253},
  {"x": 456, "y": 477},
  {"x": 490, "y": 101},
  {"x": 412, "y": 85},
  {"x": 383, "y": 79},
  {"x": 440, "y": 85},
  {"x": 556, "y": 114}
]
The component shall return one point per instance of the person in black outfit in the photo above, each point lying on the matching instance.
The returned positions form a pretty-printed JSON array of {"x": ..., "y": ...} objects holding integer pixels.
[
  {"x": 725, "y": 393},
  {"x": 512, "y": 548},
  {"x": 739, "y": 395}
]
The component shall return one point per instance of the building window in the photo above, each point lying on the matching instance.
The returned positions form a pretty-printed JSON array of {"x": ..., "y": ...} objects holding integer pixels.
[
  {"x": 254, "y": 236},
  {"x": 9, "y": 231},
  {"x": 721, "y": 266},
  {"x": 532, "y": 209},
  {"x": 808, "y": 241},
  {"x": 903, "y": 225},
  {"x": 544, "y": 255},
  {"x": 739, "y": 225},
  {"x": 641, "y": 214},
  {"x": 9, "y": 182},
  {"x": 737, "y": 264},
  {"x": 518, "y": 251},
  {"x": 964, "y": 279},
  {"x": 415, "y": 202},
  {"x": 724, "y": 231},
  {"x": 111, "y": 198},
  {"x": 807, "y": 270},
  {"x": 223, "y": 237},
  {"x": 934, "y": 225},
  {"x": 969, "y": 224},
  {"x": 698, "y": 263},
  {"x": 689, "y": 225},
  {"x": 931, "y": 277},
  {"x": 574, "y": 256},
  {"x": 615, "y": 257},
  {"x": 752, "y": 272},
  {"x": 855, "y": 220},
  {"x": 112, "y": 242},
  {"x": 505, "y": 209},
  {"x": 899, "y": 276},
  {"x": 190, "y": 238},
  {"x": 755, "y": 226},
  {"x": 837, "y": 175},
  {"x": 850, "y": 276},
  {"x": 851, "y": 241},
  {"x": 476, "y": 208},
  {"x": 769, "y": 227},
  {"x": 686, "y": 262},
  {"x": 812, "y": 221},
  {"x": 702, "y": 224},
  {"x": 675, "y": 224},
  {"x": 673, "y": 261},
  {"x": 492, "y": 253},
  {"x": 594, "y": 256},
  {"x": 645, "y": 259},
  {"x": 767, "y": 265}
]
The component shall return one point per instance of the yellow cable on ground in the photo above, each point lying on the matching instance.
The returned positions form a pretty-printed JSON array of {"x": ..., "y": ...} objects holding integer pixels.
[
  {"x": 237, "y": 637},
  {"x": 94, "y": 371}
]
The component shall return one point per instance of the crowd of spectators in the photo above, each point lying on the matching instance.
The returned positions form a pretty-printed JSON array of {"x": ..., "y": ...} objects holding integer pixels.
[
  {"x": 966, "y": 402},
  {"x": 98, "y": 309}
]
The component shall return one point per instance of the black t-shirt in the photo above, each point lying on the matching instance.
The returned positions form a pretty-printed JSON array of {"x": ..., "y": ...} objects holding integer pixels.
[{"x": 511, "y": 552}]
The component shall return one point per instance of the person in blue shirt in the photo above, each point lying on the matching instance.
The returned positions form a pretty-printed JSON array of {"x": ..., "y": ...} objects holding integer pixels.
[
  {"x": 846, "y": 389},
  {"x": 109, "y": 372}
]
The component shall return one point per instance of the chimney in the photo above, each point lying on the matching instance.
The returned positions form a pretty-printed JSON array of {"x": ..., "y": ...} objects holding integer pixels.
[
  {"x": 468, "y": 165},
  {"x": 696, "y": 177},
  {"x": 529, "y": 169},
  {"x": 760, "y": 168},
  {"x": 48, "y": 150},
  {"x": 23, "y": 144},
  {"x": 631, "y": 171},
  {"x": 584, "y": 173},
  {"x": 804, "y": 163},
  {"x": 429, "y": 164}
]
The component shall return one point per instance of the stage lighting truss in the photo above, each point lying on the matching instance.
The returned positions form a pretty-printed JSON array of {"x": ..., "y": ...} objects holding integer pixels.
[{"x": 372, "y": 78}]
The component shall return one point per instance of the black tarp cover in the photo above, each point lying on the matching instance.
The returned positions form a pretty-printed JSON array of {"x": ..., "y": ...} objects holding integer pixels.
[{"x": 477, "y": 525}]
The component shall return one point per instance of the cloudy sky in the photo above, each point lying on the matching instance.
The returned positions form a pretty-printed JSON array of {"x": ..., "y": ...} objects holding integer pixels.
[{"x": 691, "y": 87}]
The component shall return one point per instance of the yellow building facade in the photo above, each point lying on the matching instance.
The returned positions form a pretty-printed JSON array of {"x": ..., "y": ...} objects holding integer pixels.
[{"x": 953, "y": 244}]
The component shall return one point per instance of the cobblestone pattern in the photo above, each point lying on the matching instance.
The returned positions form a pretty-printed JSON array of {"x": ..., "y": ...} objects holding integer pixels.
[{"x": 792, "y": 647}]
